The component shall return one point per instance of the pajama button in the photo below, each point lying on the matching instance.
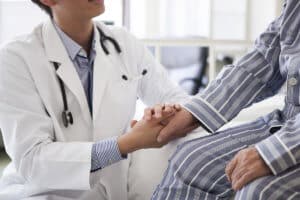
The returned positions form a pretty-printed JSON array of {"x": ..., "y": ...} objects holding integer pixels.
[{"x": 292, "y": 81}]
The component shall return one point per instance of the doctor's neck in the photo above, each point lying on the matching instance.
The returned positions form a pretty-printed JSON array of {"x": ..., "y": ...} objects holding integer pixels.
[{"x": 81, "y": 31}]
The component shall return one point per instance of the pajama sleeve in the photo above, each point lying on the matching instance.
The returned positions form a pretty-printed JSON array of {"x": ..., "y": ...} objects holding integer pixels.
[
  {"x": 282, "y": 150},
  {"x": 253, "y": 78}
]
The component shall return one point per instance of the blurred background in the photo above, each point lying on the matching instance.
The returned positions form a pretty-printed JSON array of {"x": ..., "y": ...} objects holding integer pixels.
[{"x": 193, "y": 39}]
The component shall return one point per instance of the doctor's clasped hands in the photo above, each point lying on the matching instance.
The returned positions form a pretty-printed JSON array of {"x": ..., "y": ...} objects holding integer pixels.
[
  {"x": 144, "y": 133},
  {"x": 178, "y": 126}
]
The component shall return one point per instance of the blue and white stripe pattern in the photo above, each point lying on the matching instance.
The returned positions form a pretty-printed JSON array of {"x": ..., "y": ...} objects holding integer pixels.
[
  {"x": 105, "y": 152},
  {"x": 196, "y": 171},
  {"x": 258, "y": 75}
]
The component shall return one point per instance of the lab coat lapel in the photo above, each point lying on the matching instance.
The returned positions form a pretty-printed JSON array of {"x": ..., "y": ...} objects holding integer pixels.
[
  {"x": 56, "y": 52},
  {"x": 102, "y": 74}
]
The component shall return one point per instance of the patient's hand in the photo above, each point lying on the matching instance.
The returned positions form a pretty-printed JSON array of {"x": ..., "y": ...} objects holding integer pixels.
[
  {"x": 180, "y": 125},
  {"x": 177, "y": 126},
  {"x": 143, "y": 134},
  {"x": 246, "y": 166}
]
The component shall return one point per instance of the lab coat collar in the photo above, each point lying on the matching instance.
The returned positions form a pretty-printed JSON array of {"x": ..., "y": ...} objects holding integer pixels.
[
  {"x": 103, "y": 68},
  {"x": 56, "y": 52}
]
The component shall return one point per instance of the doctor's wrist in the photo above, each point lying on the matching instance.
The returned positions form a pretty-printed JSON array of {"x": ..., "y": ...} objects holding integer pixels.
[{"x": 127, "y": 144}]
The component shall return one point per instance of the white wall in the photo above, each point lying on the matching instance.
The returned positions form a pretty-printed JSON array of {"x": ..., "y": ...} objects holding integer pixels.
[
  {"x": 19, "y": 17},
  {"x": 262, "y": 13}
]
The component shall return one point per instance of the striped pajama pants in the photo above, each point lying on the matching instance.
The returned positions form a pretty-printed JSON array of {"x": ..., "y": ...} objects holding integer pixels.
[{"x": 197, "y": 168}]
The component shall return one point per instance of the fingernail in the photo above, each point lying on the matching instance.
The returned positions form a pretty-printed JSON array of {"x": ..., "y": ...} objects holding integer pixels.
[{"x": 159, "y": 139}]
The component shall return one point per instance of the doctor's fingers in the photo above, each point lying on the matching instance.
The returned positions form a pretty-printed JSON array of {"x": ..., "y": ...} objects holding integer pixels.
[
  {"x": 164, "y": 119},
  {"x": 177, "y": 107},
  {"x": 160, "y": 110},
  {"x": 148, "y": 112},
  {"x": 133, "y": 123}
]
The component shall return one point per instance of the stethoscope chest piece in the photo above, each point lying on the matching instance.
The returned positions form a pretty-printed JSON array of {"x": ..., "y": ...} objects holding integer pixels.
[{"x": 67, "y": 118}]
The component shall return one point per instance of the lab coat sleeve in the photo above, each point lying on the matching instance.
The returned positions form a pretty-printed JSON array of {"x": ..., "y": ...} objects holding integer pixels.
[
  {"x": 28, "y": 133},
  {"x": 251, "y": 79},
  {"x": 156, "y": 87},
  {"x": 282, "y": 150}
]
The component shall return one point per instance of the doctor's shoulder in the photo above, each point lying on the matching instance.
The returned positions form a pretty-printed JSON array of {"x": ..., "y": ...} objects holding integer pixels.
[
  {"x": 30, "y": 42},
  {"x": 16, "y": 52}
]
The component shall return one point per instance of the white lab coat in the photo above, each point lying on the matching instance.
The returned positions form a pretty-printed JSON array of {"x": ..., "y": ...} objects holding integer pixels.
[{"x": 50, "y": 161}]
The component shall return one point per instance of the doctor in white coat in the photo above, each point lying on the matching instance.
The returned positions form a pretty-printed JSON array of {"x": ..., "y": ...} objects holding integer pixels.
[{"x": 80, "y": 154}]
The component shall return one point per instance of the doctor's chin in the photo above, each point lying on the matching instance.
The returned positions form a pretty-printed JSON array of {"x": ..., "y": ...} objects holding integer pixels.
[{"x": 150, "y": 100}]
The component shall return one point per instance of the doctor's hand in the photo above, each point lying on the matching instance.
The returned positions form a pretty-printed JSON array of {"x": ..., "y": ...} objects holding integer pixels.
[
  {"x": 246, "y": 166},
  {"x": 143, "y": 135},
  {"x": 179, "y": 126},
  {"x": 160, "y": 110}
]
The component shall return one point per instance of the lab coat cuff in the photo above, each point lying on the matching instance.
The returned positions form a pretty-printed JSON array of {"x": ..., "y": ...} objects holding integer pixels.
[
  {"x": 275, "y": 154},
  {"x": 105, "y": 153},
  {"x": 208, "y": 116}
]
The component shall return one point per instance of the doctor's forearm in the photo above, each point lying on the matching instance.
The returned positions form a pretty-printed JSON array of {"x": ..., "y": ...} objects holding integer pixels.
[
  {"x": 105, "y": 153},
  {"x": 110, "y": 151}
]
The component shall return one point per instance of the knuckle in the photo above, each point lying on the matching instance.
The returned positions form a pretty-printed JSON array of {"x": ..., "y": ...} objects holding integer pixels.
[{"x": 247, "y": 176}]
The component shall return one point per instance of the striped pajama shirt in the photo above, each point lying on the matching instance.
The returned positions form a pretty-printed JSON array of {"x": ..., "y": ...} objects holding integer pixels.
[{"x": 197, "y": 168}]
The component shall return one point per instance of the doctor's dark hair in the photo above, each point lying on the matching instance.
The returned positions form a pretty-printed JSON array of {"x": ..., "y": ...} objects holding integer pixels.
[{"x": 44, "y": 7}]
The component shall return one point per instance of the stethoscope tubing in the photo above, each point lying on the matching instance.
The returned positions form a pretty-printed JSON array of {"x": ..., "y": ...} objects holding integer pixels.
[{"x": 67, "y": 116}]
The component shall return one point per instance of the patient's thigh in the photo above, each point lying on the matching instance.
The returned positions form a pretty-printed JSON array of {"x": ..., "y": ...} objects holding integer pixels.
[
  {"x": 222, "y": 142},
  {"x": 201, "y": 162}
]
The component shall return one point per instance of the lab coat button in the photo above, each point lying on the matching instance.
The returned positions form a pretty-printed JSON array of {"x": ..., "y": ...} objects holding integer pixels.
[{"x": 292, "y": 81}]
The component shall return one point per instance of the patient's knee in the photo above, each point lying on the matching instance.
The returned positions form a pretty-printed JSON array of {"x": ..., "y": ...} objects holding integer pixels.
[{"x": 188, "y": 156}]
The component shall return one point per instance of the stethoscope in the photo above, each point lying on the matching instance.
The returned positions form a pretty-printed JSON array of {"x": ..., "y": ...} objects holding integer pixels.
[{"x": 67, "y": 117}]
